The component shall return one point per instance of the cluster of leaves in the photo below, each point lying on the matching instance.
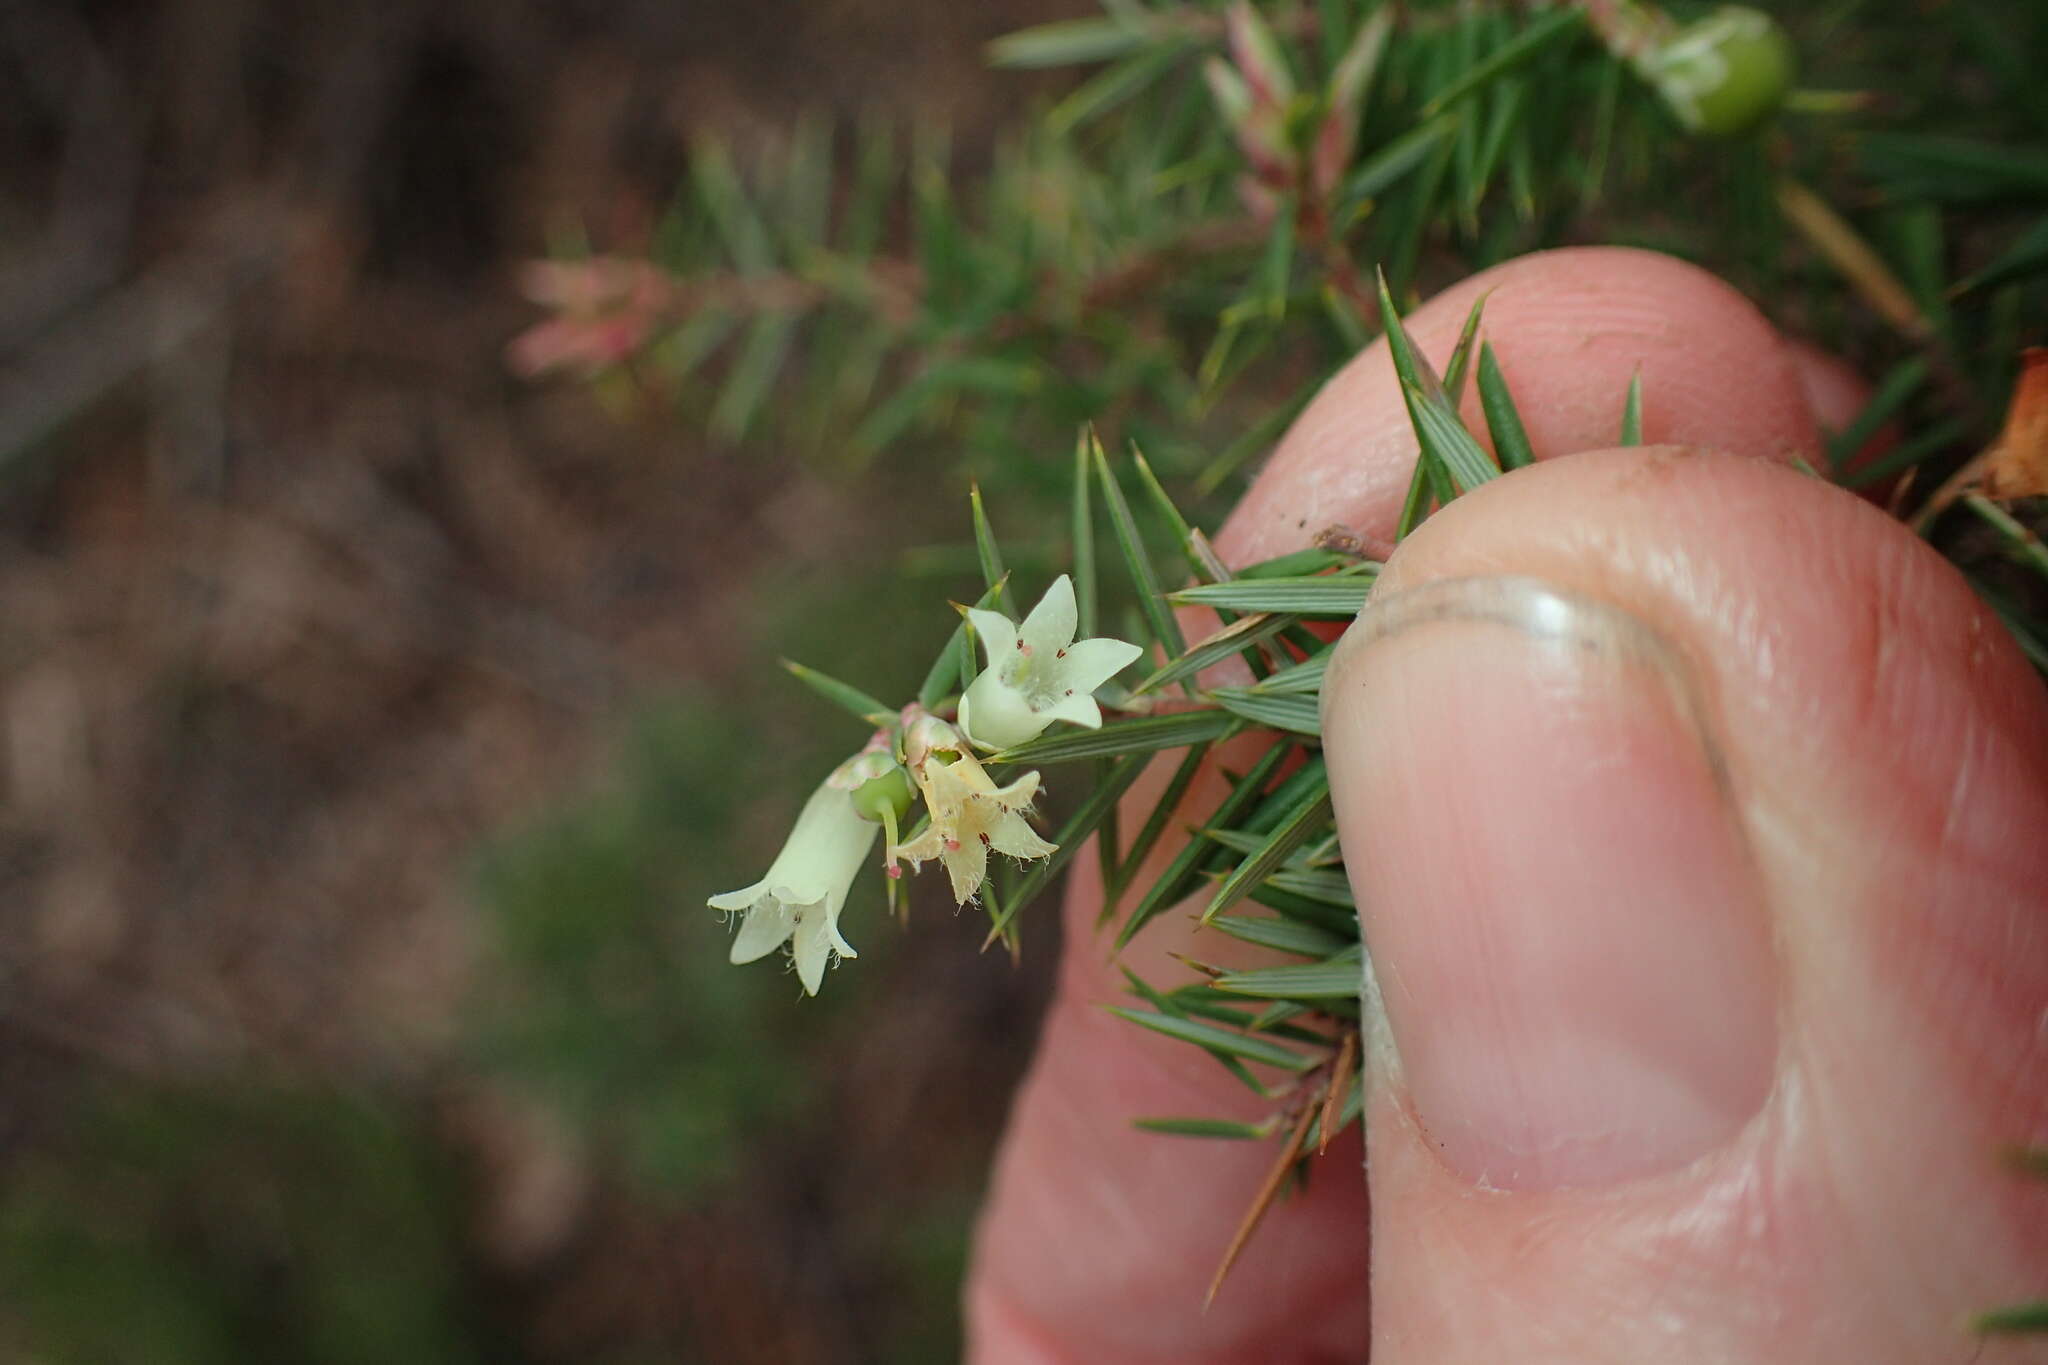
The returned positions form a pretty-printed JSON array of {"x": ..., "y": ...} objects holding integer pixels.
[
  {"x": 1169, "y": 252},
  {"x": 1164, "y": 255},
  {"x": 1266, "y": 860}
]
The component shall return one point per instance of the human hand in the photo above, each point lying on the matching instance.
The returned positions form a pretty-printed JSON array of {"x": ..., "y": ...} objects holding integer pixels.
[{"x": 1696, "y": 811}]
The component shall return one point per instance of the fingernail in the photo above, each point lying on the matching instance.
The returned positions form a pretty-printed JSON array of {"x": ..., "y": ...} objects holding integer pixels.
[{"x": 1568, "y": 934}]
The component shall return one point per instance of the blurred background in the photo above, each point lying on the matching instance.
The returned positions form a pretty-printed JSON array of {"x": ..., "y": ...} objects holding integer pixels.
[{"x": 373, "y": 724}]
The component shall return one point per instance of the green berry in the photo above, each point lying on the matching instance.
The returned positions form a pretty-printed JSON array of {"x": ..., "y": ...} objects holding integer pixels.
[{"x": 1725, "y": 74}]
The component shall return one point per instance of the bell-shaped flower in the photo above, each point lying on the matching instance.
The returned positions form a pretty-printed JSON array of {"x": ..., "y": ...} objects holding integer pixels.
[
  {"x": 969, "y": 813},
  {"x": 798, "y": 902},
  {"x": 1038, "y": 672}
]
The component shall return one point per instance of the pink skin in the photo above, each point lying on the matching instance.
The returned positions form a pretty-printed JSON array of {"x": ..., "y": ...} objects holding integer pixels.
[{"x": 1886, "y": 752}]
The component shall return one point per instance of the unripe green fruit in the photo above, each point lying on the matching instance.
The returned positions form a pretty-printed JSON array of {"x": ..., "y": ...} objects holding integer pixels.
[
  {"x": 891, "y": 792},
  {"x": 1725, "y": 74}
]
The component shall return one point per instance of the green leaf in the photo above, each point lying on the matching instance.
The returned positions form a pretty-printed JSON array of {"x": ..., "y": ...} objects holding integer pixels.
[
  {"x": 1518, "y": 51},
  {"x": 2029, "y": 1161},
  {"x": 2028, "y": 255},
  {"x": 1239, "y": 637},
  {"x": 842, "y": 695},
  {"x": 1331, "y": 888},
  {"x": 1299, "y": 564},
  {"x": 1310, "y": 820},
  {"x": 985, "y": 548},
  {"x": 1108, "y": 89},
  {"x": 1181, "y": 874},
  {"x": 1181, "y": 1009},
  {"x": 752, "y": 375},
  {"x": 1304, "y": 677},
  {"x": 745, "y": 237},
  {"x": 1221, "y": 1040},
  {"x": 2021, "y": 543},
  {"x": 2013, "y": 1320},
  {"x": 1084, "y": 544},
  {"x": 1461, "y": 354},
  {"x": 1206, "y": 1128},
  {"x": 1165, "y": 630},
  {"x": 946, "y": 670},
  {"x": 1298, "y": 714},
  {"x": 1632, "y": 412},
  {"x": 1385, "y": 168},
  {"x": 1331, "y": 919},
  {"x": 1078, "y": 828},
  {"x": 1444, "y": 439},
  {"x": 1337, "y": 979},
  {"x": 1255, "y": 440},
  {"x": 1065, "y": 43},
  {"x": 1276, "y": 266},
  {"x": 1415, "y": 504},
  {"x": 1955, "y": 169},
  {"x": 1155, "y": 825},
  {"x": 1281, "y": 935},
  {"x": 1934, "y": 441},
  {"x": 1142, "y": 735},
  {"x": 1184, "y": 535},
  {"x": 1340, "y": 596},
  {"x": 1892, "y": 395},
  {"x": 1438, "y": 430}
]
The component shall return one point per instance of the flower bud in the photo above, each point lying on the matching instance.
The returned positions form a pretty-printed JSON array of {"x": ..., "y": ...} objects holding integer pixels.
[{"x": 1725, "y": 74}]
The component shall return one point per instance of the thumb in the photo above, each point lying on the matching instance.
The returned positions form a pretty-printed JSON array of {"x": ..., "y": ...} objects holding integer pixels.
[{"x": 1695, "y": 813}]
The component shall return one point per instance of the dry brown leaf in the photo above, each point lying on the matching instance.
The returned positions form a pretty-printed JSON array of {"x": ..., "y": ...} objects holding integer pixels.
[{"x": 2016, "y": 466}]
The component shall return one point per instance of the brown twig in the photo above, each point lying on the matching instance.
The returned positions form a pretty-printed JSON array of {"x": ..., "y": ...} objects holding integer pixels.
[
  {"x": 1340, "y": 1081},
  {"x": 1262, "y": 1201}
]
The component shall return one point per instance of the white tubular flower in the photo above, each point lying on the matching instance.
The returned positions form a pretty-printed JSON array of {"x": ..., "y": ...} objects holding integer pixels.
[
  {"x": 969, "y": 814},
  {"x": 806, "y": 887},
  {"x": 1038, "y": 673}
]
